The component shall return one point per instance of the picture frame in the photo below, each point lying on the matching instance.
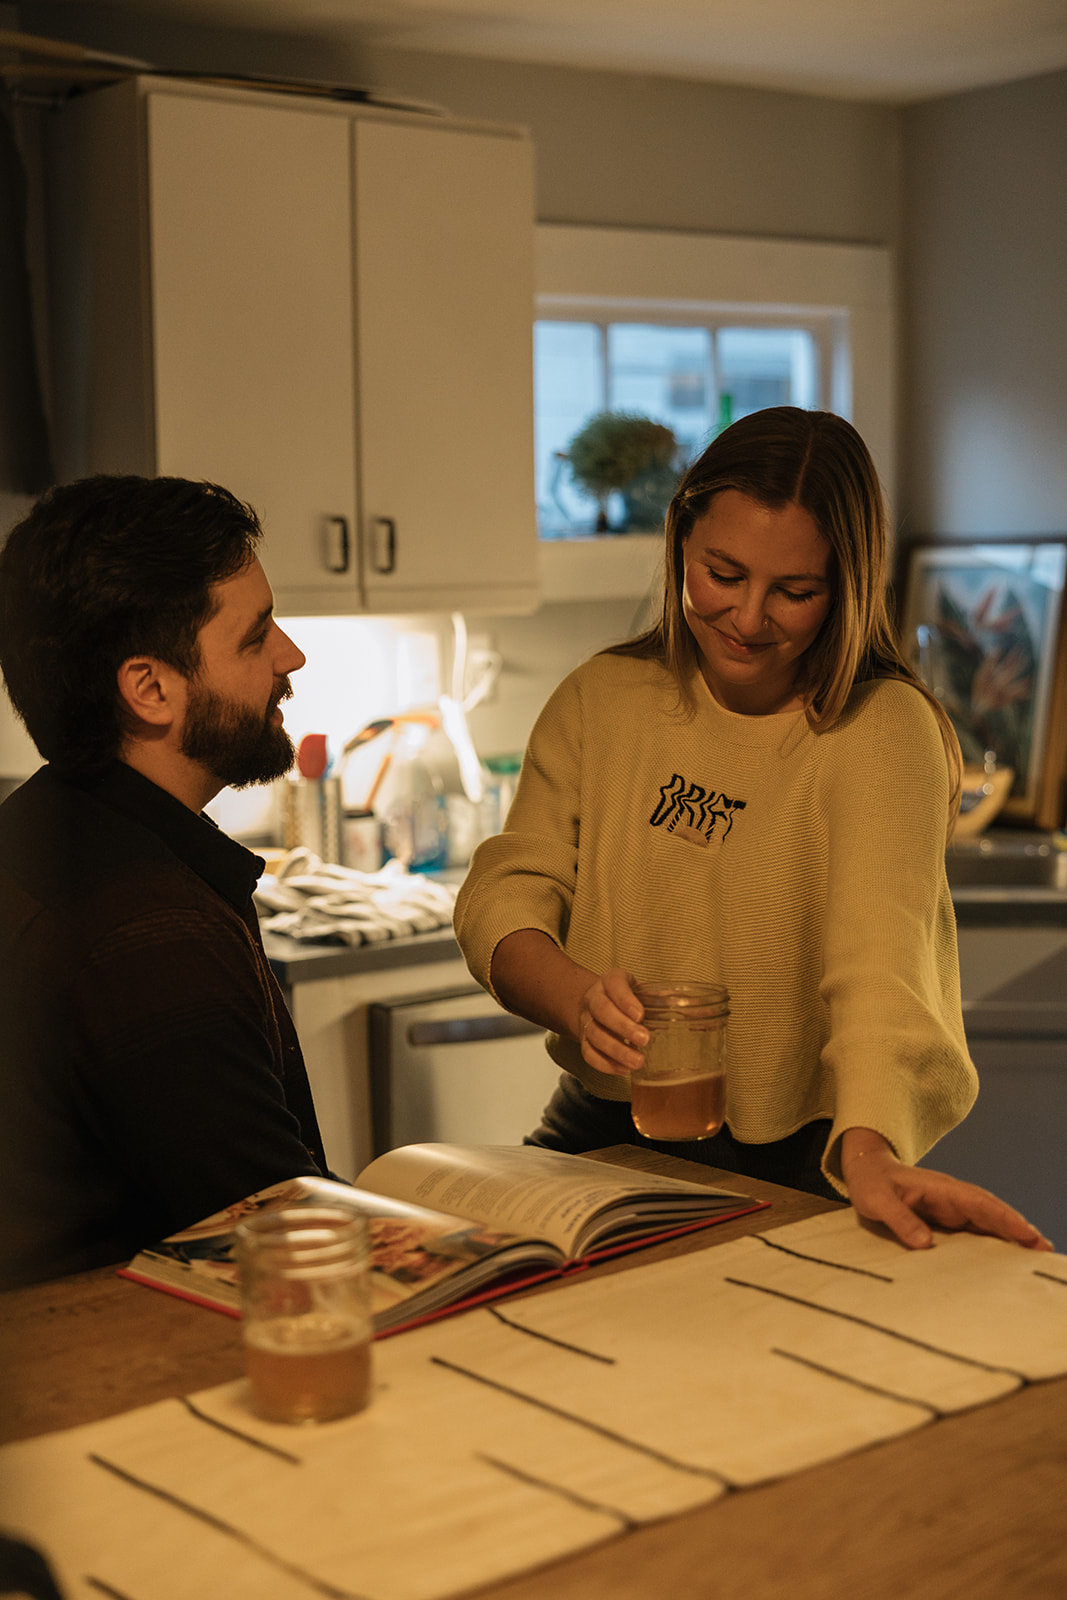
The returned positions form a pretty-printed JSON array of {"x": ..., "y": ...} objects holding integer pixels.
[{"x": 985, "y": 626}]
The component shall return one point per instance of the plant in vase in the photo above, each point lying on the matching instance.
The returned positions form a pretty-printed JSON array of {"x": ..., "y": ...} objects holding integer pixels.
[{"x": 631, "y": 454}]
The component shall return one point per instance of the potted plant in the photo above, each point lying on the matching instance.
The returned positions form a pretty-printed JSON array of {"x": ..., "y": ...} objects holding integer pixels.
[{"x": 623, "y": 451}]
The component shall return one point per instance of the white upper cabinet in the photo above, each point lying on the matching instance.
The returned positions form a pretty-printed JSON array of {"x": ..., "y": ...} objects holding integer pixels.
[
  {"x": 328, "y": 311},
  {"x": 444, "y": 274},
  {"x": 251, "y": 321}
]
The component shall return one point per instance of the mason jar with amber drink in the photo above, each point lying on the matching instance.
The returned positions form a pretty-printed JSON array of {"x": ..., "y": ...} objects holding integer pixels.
[
  {"x": 305, "y": 1300},
  {"x": 680, "y": 1091}
]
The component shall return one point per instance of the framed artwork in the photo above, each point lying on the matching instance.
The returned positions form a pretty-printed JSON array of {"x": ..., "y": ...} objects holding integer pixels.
[{"x": 985, "y": 627}]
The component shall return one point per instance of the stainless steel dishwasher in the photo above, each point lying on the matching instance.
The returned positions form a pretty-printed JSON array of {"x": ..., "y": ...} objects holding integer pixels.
[{"x": 453, "y": 1066}]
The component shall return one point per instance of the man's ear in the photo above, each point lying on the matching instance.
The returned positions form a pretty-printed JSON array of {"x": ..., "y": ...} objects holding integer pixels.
[{"x": 151, "y": 692}]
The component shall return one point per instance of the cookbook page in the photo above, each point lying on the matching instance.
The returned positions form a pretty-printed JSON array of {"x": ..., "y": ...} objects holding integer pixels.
[
  {"x": 532, "y": 1191},
  {"x": 416, "y": 1252}
]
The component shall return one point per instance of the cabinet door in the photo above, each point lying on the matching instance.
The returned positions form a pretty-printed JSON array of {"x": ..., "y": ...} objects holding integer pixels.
[
  {"x": 251, "y": 304},
  {"x": 444, "y": 293}
]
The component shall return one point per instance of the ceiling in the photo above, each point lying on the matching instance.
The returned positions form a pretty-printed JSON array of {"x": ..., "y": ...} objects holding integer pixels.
[{"x": 889, "y": 50}]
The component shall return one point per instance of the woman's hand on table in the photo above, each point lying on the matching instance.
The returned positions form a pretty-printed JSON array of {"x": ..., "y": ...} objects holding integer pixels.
[{"x": 907, "y": 1199}]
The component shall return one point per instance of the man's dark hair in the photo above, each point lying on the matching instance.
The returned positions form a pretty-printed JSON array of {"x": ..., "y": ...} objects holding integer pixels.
[{"x": 101, "y": 570}]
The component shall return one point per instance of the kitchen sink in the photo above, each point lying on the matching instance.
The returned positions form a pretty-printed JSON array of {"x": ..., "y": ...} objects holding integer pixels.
[{"x": 1025, "y": 861}]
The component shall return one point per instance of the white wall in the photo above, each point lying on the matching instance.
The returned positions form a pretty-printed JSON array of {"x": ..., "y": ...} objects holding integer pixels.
[
  {"x": 538, "y": 652},
  {"x": 635, "y": 150},
  {"x": 619, "y": 149},
  {"x": 984, "y": 424}
]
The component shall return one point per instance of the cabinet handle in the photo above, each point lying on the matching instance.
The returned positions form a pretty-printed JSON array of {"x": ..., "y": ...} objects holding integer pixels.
[
  {"x": 389, "y": 564},
  {"x": 336, "y": 544}
]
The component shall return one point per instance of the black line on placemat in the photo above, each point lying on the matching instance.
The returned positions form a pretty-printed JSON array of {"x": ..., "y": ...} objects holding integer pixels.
[
  {"x": 263, "y": 1551},
  {"x": 557, "y": 1489},
  {"x": 858, "y": 1383},
  {"x": 236, "y": 1433},
  {"x": 560, "y": 1344},
  {"x": 106, "y": 1588},
  {"x": 820, "y": 1261},
  {"x": 1051, "y": 1276},
  {"x": 876, "y": 1327},
  {"x": 584, "y": 1422}
]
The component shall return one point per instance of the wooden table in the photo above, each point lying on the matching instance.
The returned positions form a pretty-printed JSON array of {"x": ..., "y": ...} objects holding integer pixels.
[{"x": 973, "y": 1506}]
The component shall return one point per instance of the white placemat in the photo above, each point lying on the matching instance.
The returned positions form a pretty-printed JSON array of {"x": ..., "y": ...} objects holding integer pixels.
[{"x": 506, "y": 1438}]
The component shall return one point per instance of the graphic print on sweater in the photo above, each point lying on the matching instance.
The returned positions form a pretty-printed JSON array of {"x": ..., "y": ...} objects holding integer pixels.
[{"x": 699, "y": 816}]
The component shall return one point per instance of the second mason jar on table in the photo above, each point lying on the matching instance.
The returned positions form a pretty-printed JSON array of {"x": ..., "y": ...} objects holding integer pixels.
[{"x": 305, "y": 1300}]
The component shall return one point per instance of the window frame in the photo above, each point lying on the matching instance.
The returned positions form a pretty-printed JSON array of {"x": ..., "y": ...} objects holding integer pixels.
[
  {"x": 829, "y": 328},
  {"x": 639, "y": 274}
]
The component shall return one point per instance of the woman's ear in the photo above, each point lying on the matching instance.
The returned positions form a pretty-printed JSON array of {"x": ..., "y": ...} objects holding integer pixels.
[{"x": 150, "y": 692}]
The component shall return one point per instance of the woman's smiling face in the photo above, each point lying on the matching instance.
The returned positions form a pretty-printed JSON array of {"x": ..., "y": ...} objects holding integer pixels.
[{"x": 757, "y": 590}]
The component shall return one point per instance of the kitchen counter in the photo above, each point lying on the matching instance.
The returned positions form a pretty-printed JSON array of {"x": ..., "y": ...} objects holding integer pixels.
[
  {"x": 293, "y": 961},
  {"x": 1009, "y": 877},
  {"x": 1009, "y": 906}
]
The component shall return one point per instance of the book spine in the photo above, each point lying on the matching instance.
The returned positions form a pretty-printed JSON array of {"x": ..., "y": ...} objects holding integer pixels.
[{"x": 179, "y": 1294}]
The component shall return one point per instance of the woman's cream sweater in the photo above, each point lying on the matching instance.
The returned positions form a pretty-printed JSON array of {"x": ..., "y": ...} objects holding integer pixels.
[{"x": 805, "y": 871}]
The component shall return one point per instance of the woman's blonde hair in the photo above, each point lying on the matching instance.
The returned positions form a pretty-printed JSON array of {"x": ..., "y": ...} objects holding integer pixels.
[{"x": 816, "y": 460}]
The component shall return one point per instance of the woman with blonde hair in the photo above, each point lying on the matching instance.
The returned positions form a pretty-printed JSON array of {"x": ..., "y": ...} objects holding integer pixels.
[{"x": 756, "y": 791}]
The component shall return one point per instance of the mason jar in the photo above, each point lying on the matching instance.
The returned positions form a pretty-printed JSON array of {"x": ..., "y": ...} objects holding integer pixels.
[
  {"x": 680, "y": 1091},
  {"x": 305, "y": 1300}
]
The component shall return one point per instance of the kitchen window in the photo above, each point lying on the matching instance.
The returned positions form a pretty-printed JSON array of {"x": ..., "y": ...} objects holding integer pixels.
[
  {"x": 691, "y": 330},
  {"x": 694, "y": 376}
]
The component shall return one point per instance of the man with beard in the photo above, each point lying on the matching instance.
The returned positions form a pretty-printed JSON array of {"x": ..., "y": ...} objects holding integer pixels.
[{"x": 149, "y": 1071}]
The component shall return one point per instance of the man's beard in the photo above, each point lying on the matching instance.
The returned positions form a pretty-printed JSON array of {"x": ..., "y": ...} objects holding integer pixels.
[{"x": 238, "y": 745}]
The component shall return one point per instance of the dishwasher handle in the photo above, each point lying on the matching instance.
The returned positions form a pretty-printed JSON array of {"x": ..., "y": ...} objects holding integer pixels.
[{"x": 466, "y": 1030}]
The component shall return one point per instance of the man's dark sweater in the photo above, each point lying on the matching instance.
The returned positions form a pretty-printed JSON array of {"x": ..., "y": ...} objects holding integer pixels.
[{"x": 149, "y": 1070}]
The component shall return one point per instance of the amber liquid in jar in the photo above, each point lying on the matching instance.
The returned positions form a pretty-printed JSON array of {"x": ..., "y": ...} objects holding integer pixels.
[
  {"x": 679, "y": 1108},
  {"x": 305, "y": 1299},
  {"x": 307, "y": 1368},
  {"x": 680, "y": 1092}
]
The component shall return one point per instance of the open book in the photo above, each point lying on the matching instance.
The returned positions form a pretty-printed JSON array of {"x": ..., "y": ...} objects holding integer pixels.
[{"x": 454, "y": 1225}]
